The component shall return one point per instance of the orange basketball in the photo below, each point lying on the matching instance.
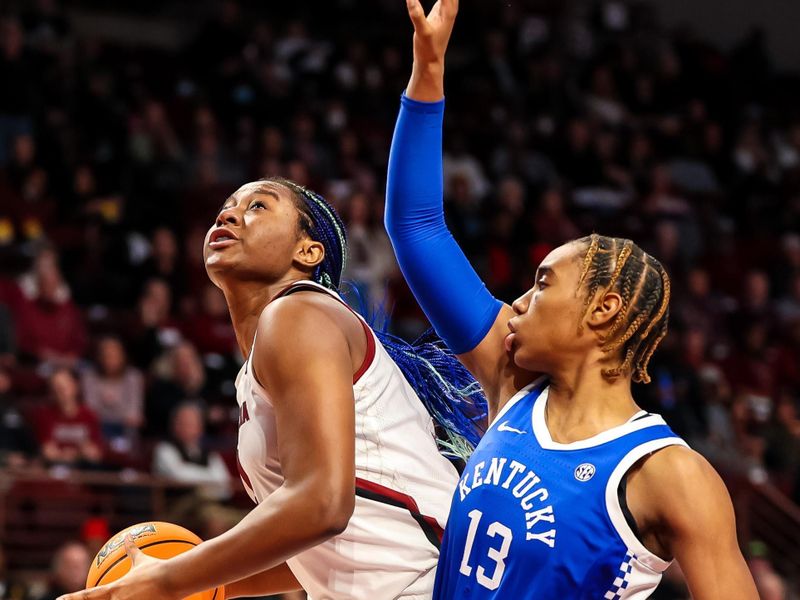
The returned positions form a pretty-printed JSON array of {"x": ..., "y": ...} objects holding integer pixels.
[{"x": 160, "y": 540}]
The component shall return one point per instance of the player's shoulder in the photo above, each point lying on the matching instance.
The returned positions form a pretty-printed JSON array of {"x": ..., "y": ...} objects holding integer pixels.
[
  {"x": 678, "y": 478},
  {"x": 301, "y": 318},
  {"x": 676, "y": 464}
]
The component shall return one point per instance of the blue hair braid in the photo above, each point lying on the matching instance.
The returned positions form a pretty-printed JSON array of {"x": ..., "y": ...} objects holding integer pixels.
[{"x": 447, "y": 390}]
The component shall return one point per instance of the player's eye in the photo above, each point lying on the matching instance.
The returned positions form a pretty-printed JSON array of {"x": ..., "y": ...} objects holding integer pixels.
[
  {"x": 258, "y": 204},
  {"x": 541, "y": 283}
]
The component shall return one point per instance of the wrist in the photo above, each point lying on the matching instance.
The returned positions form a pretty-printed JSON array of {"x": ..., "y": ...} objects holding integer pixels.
[
  {"x": 166, "y": 581},
  {"x": 427, "y": 82}
]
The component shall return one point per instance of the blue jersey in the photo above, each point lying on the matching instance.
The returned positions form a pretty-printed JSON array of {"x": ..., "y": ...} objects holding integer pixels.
[{"x": 533, "y": 518}]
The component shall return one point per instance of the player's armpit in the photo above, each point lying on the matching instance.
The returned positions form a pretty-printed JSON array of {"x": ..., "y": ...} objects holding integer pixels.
[
  {"x": 692, "y": 503},
  {"x": 274, "y": 581},
  {"x": 493, "y": 367}
]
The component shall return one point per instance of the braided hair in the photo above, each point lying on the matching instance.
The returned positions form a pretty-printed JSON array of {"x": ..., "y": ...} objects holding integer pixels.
[
  {"x": 618, "y": 265},
  {"x": 447, "y": 390}
]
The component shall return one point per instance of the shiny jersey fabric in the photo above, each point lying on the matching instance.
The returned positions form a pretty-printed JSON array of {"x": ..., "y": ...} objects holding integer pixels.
[
  {"x": 536, "y": 519},
  {"x": 403, "y": 484}
]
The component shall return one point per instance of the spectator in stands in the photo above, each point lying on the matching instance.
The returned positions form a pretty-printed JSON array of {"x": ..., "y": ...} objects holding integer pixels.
[
  {"x": 782, "y": 438},
  {"x": 114, "y": 390},
  {"x": 68, "y": 431},
  {"x": 164, "y": 263},
  {"x": 95, "y": 533},
  {"x": 8, "y": 347},
  {"x": 17, "y": 445},
  {"x": 49, "y": 325},
  {"x": 210, "y": 329},
  {"x": 371, "y": 258},
  {"x": 68, "y": 570},
  {"x": 180, "y": 376},
  {"x": 10, "y": 588},
  {"x": 769, "y": 584},
  {"x": 153, "y": 330},
  {"x": 185, "y": 458}
]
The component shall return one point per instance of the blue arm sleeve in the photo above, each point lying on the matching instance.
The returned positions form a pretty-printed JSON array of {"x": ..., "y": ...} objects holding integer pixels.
[{"x": 455, "y": 300}]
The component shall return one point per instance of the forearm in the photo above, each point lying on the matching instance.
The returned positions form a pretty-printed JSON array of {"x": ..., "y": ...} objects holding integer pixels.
[
  {"x": 446, "y": 286},
  {"x": 288, "y": 522},
  {"x": 273, "y": 581}
]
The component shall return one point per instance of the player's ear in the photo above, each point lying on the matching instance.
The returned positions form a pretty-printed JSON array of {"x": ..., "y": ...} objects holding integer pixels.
[
  {"x": 605, "y": 309},
  {"x": 309, "y": 253}
]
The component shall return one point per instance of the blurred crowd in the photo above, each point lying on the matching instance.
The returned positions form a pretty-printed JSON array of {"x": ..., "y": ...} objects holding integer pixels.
[{"x": 563, "y": 118}]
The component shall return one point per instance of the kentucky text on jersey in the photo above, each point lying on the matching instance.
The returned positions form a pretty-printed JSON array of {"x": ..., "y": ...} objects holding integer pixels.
[
  {"x": 531, "y": 495},
  {"x": 534, "y": 519}
]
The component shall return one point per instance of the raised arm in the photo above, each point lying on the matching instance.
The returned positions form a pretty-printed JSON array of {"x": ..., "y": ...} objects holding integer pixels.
[{"x": 459, "y": 306}]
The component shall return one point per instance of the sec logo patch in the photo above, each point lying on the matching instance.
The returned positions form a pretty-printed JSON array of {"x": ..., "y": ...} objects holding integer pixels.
[{"x": 584, "y": 472}]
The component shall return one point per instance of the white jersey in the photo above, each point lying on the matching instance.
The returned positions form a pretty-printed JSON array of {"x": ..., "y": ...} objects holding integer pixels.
[{"x": 403, "y": 484}]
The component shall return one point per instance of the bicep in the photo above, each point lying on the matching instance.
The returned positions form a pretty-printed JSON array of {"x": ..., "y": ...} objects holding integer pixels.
[
  {"x": 493, "y": 367},
  {"x": 305, "y": 366}
]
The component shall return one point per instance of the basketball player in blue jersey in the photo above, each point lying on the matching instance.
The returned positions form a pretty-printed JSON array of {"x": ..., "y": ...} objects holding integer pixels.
[{"x": 573, "y": 492}]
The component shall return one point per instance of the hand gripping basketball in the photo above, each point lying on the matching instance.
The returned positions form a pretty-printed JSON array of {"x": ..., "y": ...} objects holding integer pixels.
[{"x": 145, "y": 580}]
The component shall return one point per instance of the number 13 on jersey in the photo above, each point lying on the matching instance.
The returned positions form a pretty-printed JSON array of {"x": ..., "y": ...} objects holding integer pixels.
[{"x": 498, "y": 555}]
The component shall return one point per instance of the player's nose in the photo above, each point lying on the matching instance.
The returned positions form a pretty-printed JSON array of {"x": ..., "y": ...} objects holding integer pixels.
[
  {"x": 228, "y": 216},
  {"x": 520, "y": 305}
]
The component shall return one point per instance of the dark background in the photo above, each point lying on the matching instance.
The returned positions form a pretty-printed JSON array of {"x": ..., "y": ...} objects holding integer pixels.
[{"x": 123, "y": 130}]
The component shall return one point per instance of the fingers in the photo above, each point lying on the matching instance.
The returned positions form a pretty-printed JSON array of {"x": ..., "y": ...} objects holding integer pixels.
[
  {"x": 417, "y": 14},
  {"x": 451, "y": 6},
  {"x": 93, "y": 594},
  {"x": 133, "y": 552}
]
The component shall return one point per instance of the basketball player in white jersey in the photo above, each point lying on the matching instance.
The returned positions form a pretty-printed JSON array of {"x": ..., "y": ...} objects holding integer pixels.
[{"x": 335, "y": 446}]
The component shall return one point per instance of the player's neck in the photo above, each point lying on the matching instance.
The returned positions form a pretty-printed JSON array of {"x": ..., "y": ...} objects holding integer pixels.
[
  {"x": 583, "y": 403},
  {"x": 247, "y": 300}
]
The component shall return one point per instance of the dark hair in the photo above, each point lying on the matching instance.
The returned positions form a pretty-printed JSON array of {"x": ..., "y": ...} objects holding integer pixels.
[
  {"x": 320, "y": 221},
  {"x": 619, "y": 265},
  {"x": 447, "y": 390}
]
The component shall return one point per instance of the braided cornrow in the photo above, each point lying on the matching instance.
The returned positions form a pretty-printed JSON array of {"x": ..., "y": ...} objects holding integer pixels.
[
  {"x": 644, "y": 287},
  {"x": 320, "y": 222}
]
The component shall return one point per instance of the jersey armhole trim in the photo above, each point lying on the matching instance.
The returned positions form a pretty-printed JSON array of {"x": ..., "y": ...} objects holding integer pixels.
[
  {"x": 313, "y": 286},
  {"x": 516, "y": 398},
  {"x": 615, "y": 512}
]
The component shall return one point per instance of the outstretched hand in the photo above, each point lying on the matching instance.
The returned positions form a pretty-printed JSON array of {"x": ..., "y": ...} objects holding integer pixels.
[
  {"x": 142, "y": 582},
  {"x": 431, "y": 36},
  {"x": 432, "y": 32}
]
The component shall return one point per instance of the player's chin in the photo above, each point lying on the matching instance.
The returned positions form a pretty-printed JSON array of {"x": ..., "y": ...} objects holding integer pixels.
[
  {"x": 217, "y": 263},
  {"x": 525, "y": 356}
]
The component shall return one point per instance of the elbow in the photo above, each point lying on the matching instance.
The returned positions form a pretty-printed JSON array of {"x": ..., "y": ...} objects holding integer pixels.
[
  {"x": 336, "y": 512},
  {"x": 331, "y": 510}
]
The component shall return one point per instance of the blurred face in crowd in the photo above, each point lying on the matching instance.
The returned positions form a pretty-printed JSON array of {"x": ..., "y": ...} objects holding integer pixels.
[
  {"x": 157, "y": 297},
  {"x": 187, "y": 426},
  {"x": 65, "y": 391},
  {"x": 111, "y": 356},
  {"x": 214, "y": 302},
  {"x": 698, "y": 283},
  {"x": 164, "y": 244},
  {"x": 70, "y": 566},
  {"x": 24, "y": 149},
  {"x": 257, "y": 236},
  {"x": 757, "y": 288},
  {"x": 187, "y": 367}
]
